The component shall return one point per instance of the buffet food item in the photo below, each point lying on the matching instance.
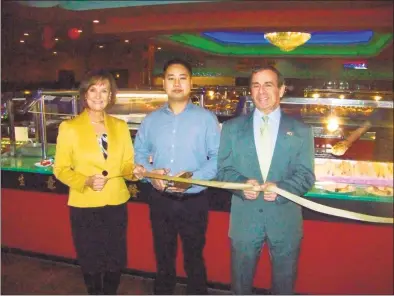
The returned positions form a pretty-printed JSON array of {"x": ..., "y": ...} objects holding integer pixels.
[
  {"x": 363, "y": 169},
  {"x": 340, "y": 148},
  {"x": 380, "y": 190},
  {"x": 339, "y": 188},
  {"x": 44, "y": 163},
  {"x": 341, "y": 111},
  {"x": 354, "y": 172}
]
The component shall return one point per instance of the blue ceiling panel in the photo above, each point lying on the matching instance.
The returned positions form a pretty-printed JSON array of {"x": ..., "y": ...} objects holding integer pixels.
[{"x": 349, "y": 37}]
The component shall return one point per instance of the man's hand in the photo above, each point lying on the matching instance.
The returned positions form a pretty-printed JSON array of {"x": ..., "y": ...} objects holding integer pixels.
[
  {"x": 253, "y": 193},
  {"x": 159, "y": 184},
  {"x": 268, "y": 195},
  {"x": 96, "y": 182},
  {"x": 340, "y": 148},
  {"x": 139, "y": 171},
  {"x": 180, "y": 187}
]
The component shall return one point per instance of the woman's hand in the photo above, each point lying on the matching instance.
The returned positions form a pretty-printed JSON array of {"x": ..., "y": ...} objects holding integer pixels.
[
  {"x": 139, "y": 171},
  {"x": 96, "y": 182}
]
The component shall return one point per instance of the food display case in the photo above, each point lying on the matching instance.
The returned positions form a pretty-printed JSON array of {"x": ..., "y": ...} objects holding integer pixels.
[
  {"x": 315, "y": 108},
  {"x": 353, "y": 182}
]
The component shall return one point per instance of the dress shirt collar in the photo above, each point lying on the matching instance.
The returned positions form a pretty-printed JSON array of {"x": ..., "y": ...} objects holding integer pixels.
[
  {"x": 274, "y": 116},
  {"x": 168, "y": 109}
]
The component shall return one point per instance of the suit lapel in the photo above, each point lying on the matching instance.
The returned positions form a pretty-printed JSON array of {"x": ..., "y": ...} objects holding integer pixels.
[
  {"x": 282, "y": 145},
  {"x": 89, "y": 136},
  {"x": 246, "y": 137},
  {"x": 111, "y": 135}
]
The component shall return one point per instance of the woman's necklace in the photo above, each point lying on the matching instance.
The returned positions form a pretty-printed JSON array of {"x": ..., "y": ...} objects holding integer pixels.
[{"x": 97, "y": 122}]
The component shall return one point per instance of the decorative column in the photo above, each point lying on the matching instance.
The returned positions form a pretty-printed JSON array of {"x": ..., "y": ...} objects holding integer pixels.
[
  {"x": 140, "y": 62},
  {"x": 148, "y": 62}
]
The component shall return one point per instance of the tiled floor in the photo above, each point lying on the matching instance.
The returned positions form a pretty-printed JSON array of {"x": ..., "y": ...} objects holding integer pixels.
[{"x": 32, "y": 276}]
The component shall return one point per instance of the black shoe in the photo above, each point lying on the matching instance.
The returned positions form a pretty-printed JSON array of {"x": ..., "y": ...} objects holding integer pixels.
[
  {"x": 111, "y": 282},
  {"x": 94, "y": 283}
]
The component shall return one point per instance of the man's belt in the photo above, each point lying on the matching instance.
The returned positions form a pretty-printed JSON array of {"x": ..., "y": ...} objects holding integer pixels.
[
  {"x": 294, "y": 198},
  {"x": 179, "y": 196}
]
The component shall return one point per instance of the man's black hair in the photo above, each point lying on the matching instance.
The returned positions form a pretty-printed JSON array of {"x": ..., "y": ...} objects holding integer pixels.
[{"x": 178, "y": 61}]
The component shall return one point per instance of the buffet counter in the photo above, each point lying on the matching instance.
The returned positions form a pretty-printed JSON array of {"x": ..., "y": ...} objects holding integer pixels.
[{"x": 338, "y": 256}]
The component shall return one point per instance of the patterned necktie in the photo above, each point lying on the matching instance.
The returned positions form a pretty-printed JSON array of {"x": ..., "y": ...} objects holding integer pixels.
[
  {"x": 265, "y": 147},
  {"x": 103, "y": 142}
]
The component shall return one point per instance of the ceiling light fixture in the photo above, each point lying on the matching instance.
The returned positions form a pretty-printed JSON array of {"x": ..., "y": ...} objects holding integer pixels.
[
  {"x": 22, "y": 41},
  {"x": 56, "y": 39},
  {"x": 287, "y": 41},
  {"x": 127, "y": 41},
  {"x": 26, "y": 34},
  {"x": 96, "y": 21},
  {"x": 79, "y": 31}
]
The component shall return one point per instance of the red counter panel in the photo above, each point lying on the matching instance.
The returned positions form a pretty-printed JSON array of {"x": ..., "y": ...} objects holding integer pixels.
[{"x": 336, "y": 258}]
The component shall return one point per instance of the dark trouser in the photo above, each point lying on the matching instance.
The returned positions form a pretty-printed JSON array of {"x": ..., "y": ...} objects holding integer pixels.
[
  {"x": 187, "y": 217},
  {"x": 99, "y": 236}
]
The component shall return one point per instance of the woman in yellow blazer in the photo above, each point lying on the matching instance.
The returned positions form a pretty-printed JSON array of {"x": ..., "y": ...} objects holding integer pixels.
[{"x": 88, "y": 145}]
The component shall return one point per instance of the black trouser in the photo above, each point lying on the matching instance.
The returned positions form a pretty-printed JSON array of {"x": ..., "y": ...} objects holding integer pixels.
[
  {"x": 99, "y": 236},
  {"x": 187, "y": 216}
]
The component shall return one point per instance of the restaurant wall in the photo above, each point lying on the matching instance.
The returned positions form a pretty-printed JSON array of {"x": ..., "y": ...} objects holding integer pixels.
[{"x": 45, "y": 67}]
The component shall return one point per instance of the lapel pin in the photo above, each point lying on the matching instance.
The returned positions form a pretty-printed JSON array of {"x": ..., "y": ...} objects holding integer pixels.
[{"x": 289, "y": 133}]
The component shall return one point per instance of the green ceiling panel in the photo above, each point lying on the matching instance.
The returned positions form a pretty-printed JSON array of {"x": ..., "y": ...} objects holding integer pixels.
[{"x": 372, "y": 48}]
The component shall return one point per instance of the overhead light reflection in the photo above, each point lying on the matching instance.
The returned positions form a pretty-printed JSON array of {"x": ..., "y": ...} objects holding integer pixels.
[
  {"x": 315, "y": 95},
  {"x": 332, "y": 123}
]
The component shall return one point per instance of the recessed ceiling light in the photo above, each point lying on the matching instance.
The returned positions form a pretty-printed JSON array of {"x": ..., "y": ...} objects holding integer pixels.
[
  {"x": 55, "y": 52},
  {"x": 56, "y": 39},
  {"x": 101, "y": 46},
  {"x": 79, "y": 31},
  {"x": 22, "y": 41},
  {"x": 96, "y": 21},
  {"x": 26, "y": 34},
  {"x": 127, "y": 41},
  {"x": 159, "y": 48}
]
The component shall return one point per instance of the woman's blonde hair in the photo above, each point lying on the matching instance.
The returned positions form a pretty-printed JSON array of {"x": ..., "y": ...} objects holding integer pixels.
[{"x": 91, "y": 79}]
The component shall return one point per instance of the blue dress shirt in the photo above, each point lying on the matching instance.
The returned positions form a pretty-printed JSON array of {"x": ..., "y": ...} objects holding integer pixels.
[{"x": 188, "y": 141}]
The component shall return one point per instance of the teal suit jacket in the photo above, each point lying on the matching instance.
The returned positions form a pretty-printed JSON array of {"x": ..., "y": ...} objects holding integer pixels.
[{"x": 292, "y": 169}]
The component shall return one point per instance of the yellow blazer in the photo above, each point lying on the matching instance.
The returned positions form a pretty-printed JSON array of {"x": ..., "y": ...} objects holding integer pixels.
[{"x": 78, "y": 156}]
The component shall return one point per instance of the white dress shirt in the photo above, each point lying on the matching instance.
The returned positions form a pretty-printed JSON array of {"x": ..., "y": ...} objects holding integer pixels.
[{"x": 274, "y": 120}]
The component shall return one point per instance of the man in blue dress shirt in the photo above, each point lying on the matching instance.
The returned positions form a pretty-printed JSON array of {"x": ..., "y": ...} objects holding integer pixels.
[{"x": 180, "y": 138}]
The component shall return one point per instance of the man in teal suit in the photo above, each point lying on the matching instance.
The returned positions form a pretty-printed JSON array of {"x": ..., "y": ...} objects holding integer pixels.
[{"x": 266, "y": 147}]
